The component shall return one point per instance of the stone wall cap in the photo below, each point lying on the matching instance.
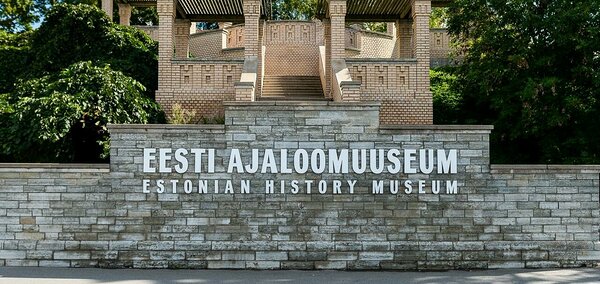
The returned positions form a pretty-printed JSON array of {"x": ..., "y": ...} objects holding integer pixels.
[
  {"x": 114, "y": 128},
  {"x": 533, "y": 167},
  {"x": 58, "y": 166},
  {"x": 436, "y": 127}
]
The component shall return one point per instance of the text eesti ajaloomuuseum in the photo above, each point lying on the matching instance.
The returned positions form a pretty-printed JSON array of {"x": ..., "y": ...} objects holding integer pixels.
[{"x": 392, "y": 162}]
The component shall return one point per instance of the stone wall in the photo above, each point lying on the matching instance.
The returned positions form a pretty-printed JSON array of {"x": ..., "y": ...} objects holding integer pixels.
[{"x": 500, "y": 217}]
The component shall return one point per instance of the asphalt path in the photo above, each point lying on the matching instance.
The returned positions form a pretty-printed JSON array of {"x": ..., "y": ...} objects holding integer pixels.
[{"x": 20, "y": 275}]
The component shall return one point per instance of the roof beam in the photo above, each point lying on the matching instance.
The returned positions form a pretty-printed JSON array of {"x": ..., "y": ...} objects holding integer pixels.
[{"x": 215, "y": 18}]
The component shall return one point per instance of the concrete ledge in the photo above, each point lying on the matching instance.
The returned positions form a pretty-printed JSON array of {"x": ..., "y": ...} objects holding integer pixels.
[
  {"x": 543, "y": 167},
  {"x": 137, "y": 128},
  {"x": 437, "y": 127},
  {"x": 53, "y": 167}
]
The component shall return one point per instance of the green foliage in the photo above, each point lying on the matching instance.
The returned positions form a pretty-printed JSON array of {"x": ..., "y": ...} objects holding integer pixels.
[
  {"x": 294, "y": 9},
  {"x": 375, "y": 26},
  {"x": 439, "y": 17},
  {"x": 73, "y": 33},
  {"x": 20, "y": 15},
  {"x": 446, "y": 100},
  {"x": 144, "y": 16},
  {"x": 532, "y": 68},
  {"x": 63, "y": 117},
  {"x": 179, "y": 115},
  {"x": 17, "y": 15},
  {"x": 14, "y": 55}
]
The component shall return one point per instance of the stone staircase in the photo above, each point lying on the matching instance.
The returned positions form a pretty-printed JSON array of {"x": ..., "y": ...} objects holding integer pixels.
[{"x": 292, "y": 88}]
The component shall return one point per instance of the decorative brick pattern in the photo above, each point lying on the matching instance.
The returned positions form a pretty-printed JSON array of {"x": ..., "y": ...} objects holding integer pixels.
[
  {"x": 182, "y": 38},
  {"x": 291, "y": 49},
  {"x": 502, "y": 217},
  {"x": 394, "y": 84},
  {"x": 235, "y": 36},
  {"x": 440, "y": 47},
  {"x": 208, "y": 45},
  {"x": 201, "y": 85}
]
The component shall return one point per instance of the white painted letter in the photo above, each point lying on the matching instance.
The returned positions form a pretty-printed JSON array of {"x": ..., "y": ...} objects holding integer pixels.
[{"x": 148, "y": 156}]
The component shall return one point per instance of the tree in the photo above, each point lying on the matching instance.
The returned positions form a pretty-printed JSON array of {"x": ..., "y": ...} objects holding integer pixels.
[
  {"x": 294, "y": 9},
  {"x": 14, "y": 55},
  {"x": 63, "y": 117},
  {"x": 73, "y": 33},
  {"x": 532, "y": 68},
  {"x": 19, "y": 15},
  {"x": 16, "y": 15}
]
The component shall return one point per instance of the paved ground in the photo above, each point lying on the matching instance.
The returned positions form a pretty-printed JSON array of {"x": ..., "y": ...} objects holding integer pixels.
[{"x": 130, "y": 276}]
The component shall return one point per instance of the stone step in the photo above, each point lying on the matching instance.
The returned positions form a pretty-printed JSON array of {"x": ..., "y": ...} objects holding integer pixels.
[
  {"x": 292, "y": 88},
  {"x": 293, "y": 98}
]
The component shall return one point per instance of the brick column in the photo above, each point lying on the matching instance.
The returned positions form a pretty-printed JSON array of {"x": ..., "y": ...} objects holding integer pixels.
[
  {"x": 390, "y": 28},
  {"x": 404, "y": 43},
  {"x": 166, "y": 17},
  {"x": 337, "y": 17},
  {"x": 107, "y": 7},
  {"x": 259, "y": 71},
  {"x": 182, "y": 38},
  {"x": 327, "y": 39},
  {"x": 421, "y": 12},
  {"x": 251, "y": 28},
  {"x": 124, "y": 14}
]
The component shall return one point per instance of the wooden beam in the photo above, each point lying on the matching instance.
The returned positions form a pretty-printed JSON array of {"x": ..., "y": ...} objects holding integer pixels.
[{"x": 215, "y": 18}]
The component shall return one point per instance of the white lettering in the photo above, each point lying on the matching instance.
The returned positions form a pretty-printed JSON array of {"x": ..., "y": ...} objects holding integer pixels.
[{"x": 149, "y": 156}]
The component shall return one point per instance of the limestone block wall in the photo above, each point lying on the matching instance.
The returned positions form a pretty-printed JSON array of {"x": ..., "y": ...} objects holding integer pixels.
[
  {"x": 500, "y": 217},
  {"x": 57, "y": 215}
]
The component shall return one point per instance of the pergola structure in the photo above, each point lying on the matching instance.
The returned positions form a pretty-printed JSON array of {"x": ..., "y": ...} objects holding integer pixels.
[{"x": 400, "y": 83}]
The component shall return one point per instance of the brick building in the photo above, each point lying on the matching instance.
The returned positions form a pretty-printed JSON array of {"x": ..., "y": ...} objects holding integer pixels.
[{"x": 325, "y": 59}]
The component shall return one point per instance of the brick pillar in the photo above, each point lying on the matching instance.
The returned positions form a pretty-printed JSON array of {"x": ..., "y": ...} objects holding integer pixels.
[
  {"x": 107, "y": 7},
  {"x": 259, "y": 72},
  {"x": 327, "y": 39},
  {"x": 390, "y": 28},
  {"x": 404, "y": 43},
  {"x": 166, "y": 17},
  {"x": 421, "y": 12},
  {"x": 337, "y": 17},
  {"x": 124, "y": 14},
  {"x": 182, "y": 38},
  {"x": 251, "y": 28}
]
